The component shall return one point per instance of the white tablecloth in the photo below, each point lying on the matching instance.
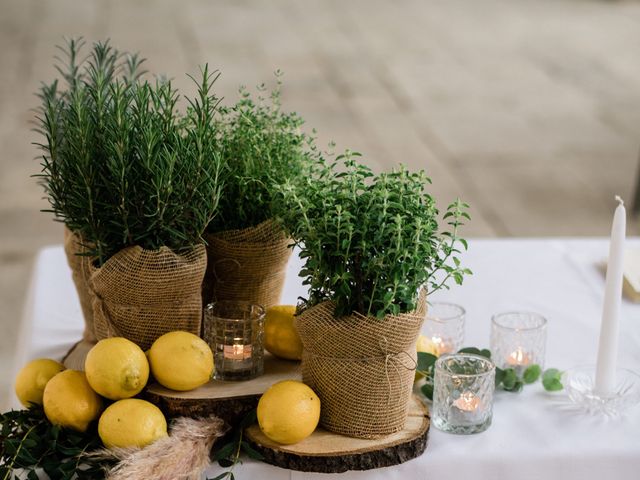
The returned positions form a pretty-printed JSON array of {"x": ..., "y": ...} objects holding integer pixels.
[{"x": 535, "y": 435}]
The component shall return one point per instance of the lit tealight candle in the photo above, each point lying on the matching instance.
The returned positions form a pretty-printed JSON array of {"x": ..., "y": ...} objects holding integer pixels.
[
  {"x": 467, "y": 402},
  {"x": 518, "y": 358},
  {"x": 237, "y": 352},
  {"x": 441, "y": 346}
]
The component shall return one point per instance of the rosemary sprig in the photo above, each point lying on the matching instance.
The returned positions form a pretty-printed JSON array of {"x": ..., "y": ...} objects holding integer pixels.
[{"x": 120, "y": 165}]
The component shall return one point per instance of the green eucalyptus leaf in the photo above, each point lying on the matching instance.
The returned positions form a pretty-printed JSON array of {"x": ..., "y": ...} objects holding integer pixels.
[
  {"x": 427, "y": 390},
  {"x": 425, "y": 361},
  {"x": 532, "y": 374},
  {"x": 251, "y": 452},
  {"x": 509, "y": 379},
  {"x": 552, "y": 380},
  {"x": 249, "y": 419},
  {"x": 224, "y": 452},
  {"x": 225, "y": 463},
  {"x": 220, "y": 477},
  {"x": 499, "y": 376}
]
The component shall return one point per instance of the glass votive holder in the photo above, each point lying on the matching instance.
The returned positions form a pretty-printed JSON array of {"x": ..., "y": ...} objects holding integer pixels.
[
  {"x": 463, "y": 393},
  {"x": 444, "y": 327},
  {"x": 518, "y": 340},
  {"x": 235, "y": 333}
]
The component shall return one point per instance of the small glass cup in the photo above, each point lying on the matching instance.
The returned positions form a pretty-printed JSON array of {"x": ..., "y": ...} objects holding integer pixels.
[
  {"x": 518, "y": 339},
  {"x": 444, "y": 327},
  {"x": 463, "y": 393},
  {"x": 235, "y": 333}
]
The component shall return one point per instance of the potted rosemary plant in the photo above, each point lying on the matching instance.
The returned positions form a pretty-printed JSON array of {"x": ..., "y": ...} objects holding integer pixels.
[
  {"x": 261, "y": 147},
  {"x": 372, "y": 248},
  {"x": 136, "y": 184}
]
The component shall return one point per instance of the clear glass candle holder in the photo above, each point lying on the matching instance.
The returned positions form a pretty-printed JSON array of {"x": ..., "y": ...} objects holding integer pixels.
[
  {"x": 518, "y": 339},
  {"x": 444, "y": 327},
  {"x": 235, "y": 333},
  {"x": 463, "y": 393}
]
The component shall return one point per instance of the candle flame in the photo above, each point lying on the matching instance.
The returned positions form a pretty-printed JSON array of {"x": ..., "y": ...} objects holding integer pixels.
[
  {"x": 519, "y": 357},
  {"x": 467, "y": 402}
]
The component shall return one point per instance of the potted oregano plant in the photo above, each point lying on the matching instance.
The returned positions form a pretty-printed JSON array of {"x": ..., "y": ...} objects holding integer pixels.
[
  {"x": 261, "y": 147},
  {"x": 372, "y": 248},
  {"x": 136, "y": 184}
]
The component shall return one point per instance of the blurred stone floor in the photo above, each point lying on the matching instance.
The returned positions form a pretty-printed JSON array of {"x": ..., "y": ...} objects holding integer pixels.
[{"x": 527, "y": 109}]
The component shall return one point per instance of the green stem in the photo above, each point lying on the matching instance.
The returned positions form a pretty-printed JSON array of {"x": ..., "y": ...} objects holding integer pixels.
[{"x": 13, "y": 460}]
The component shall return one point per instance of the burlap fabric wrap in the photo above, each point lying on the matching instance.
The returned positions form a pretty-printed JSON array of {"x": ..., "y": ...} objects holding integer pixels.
[
  {"x": 247, "y": 265},
  {"x": 142, "y": 294},
  {"x": 79, "y": 264},
  {"x": 362, "y": 368}
]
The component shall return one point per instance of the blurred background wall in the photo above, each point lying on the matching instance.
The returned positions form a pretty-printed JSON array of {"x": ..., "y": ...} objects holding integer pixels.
[{"x": 527, "y": 109}]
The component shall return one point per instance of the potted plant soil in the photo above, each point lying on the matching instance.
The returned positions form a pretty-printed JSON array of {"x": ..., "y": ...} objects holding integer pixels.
[
  {"x": 135, "y": 183},
  {"x": 372, "y": 248},
  {"x": 247, "y": 251}
]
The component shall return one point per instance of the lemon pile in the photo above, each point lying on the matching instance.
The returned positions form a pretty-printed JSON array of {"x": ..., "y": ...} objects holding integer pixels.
[{"x": 116, "y": 369}]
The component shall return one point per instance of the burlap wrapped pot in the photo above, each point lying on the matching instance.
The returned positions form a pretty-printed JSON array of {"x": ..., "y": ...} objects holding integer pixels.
[
  {"x": 142, "y": 294},
  {"x": 247, "y": 265},
  {"x": 79, "y": 264},
  {"x": 362, "y": 368}
]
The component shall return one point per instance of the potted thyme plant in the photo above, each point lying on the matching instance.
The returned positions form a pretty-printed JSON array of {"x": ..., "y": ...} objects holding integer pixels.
[
  {"x": 372, "y": 248},
  {"x": 261, "y": 147},
  {"x": 136, "y": 184}
]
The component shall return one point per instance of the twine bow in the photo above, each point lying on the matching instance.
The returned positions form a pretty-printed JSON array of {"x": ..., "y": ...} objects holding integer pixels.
[{"x": 387, "y": 357}]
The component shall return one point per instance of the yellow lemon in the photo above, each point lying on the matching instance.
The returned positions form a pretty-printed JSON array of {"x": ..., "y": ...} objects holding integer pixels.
[
  {"x": 424, "y": 344},
  {"x": 131, "y": 423},
  {"x": 280, "y": 335},
  {"x": 70, "y": 402},
  {"x": 116, "y": 368},
  {"x": 32, "y": 379},
  {"x": 288, "y": 412},
  {"x": 181, "y": 361}
]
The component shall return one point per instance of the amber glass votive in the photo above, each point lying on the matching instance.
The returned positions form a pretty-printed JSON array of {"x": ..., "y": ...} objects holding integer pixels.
[{"x": 235, "y": 333}]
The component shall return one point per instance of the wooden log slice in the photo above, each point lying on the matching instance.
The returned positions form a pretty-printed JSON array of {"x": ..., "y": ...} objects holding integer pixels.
[
  {"x": 228, "y": 400},
  {"x": 328, "y": 452}
]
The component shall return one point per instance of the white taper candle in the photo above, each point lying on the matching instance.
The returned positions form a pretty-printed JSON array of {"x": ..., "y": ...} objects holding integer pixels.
[{"x": 608, "y": 348}]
